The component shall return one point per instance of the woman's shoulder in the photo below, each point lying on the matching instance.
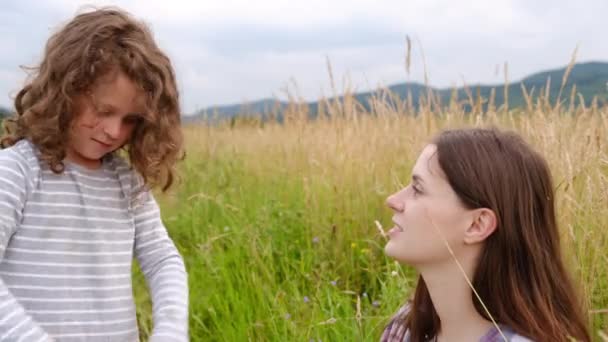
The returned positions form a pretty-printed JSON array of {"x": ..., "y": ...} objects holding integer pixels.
[
  {"x": 395, "y": 330},
  {"x": 496, "y": 335}
]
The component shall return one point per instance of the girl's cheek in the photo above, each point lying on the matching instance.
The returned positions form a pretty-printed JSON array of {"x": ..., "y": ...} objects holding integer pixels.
[
  {"x": 84, "y": 123},
  {"x": 94, "y": 123}
]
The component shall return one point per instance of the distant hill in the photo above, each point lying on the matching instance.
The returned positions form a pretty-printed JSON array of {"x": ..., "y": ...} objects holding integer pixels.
[
  {"x": 591, "y": 80},
  {"x": 4, "y": 112},
  {"x": 244, "y": 109}
]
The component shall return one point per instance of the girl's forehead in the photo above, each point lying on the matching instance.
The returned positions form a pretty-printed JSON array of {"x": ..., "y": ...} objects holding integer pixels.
[{"x": 118, "y": 91}]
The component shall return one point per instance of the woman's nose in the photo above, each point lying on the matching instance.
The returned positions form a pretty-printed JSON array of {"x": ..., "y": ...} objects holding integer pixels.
[{"x": 395, "y": 203}]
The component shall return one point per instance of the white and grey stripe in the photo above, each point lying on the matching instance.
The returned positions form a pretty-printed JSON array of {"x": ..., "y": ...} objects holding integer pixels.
[{"x": 66, "y": 246}]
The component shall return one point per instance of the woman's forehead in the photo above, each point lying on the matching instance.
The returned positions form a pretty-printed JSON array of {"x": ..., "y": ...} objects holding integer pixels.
[{"x": 427, "y": 166}]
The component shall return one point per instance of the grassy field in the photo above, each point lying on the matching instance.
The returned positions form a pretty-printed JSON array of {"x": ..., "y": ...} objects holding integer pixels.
[{"x": 276, "y": 221}]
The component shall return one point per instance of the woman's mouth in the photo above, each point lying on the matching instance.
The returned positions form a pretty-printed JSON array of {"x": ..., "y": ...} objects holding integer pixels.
[
  {"x": 397, "y": 229},
  {"x": 398, "y": 226}
]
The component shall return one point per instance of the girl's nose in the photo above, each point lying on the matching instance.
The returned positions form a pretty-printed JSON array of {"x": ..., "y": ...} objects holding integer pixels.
[{"x": 112, "y": 128}]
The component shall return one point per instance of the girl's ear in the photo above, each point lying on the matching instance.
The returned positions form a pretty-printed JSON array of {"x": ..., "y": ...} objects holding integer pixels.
[{"x": 483, "y": 225}]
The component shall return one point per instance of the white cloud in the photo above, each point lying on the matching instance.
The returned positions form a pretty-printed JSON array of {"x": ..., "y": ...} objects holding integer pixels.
[{"x": 232, "y": 50}]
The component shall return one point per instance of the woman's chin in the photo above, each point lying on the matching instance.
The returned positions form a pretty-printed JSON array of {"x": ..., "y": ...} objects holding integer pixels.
[{"x": 391, "y": 249}]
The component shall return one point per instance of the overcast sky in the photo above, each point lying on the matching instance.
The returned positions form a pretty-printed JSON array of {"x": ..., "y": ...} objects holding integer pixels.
[{"x": 232, "y": 51}]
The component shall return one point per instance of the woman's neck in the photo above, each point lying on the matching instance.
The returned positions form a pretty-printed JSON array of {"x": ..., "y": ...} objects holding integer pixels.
[{"x": 453, "y": 301}]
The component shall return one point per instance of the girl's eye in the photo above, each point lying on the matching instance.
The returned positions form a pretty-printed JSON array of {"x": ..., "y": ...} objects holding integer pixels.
[
  {"x": 104, "y": 112},
  {"x": 130, "y": 120}
]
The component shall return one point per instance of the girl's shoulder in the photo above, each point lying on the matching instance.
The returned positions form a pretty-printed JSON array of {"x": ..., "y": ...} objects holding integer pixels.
[
  {"x": 22, "y": 157},
  {"x": 23, "y": 147},
  {"x": 20, "y": 163},
  {"x": 131, "y": 180},
  {"x": 125, "y": 168}
]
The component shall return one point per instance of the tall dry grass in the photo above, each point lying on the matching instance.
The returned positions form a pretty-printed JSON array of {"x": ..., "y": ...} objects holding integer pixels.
[{"x": 276, "y": 220}]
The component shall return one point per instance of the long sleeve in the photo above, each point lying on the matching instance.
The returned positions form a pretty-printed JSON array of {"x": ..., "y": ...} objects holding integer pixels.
[
  {"x": 164, "y": 270},
  {"x": 15, "y": 323}
]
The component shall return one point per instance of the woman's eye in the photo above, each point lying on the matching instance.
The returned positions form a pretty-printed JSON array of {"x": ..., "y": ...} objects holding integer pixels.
[{"x": 416, "y": 190}]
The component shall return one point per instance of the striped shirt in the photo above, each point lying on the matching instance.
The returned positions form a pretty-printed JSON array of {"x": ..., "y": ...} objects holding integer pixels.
[
  {"x": 396, "y": 331},
  {"x": 67, "y": 243}
]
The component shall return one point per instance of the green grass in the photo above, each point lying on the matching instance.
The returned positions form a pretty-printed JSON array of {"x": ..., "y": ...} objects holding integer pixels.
[
  {"x": 263, "y": 268},
  {"x": 276, "y": 222}
]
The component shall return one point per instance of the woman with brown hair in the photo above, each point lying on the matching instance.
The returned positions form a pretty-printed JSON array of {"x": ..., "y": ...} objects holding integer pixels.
[{"x": 478, "y": 223}]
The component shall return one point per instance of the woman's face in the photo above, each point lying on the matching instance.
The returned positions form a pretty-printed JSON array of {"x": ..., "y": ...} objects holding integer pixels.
[{"x": 427, "y": 215}]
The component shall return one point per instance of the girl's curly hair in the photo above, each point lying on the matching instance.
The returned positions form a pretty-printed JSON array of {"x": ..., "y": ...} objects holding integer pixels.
[{"x": 90, "y": 46}]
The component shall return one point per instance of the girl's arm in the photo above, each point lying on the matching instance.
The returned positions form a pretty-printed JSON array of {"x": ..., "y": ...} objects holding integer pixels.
[
  {"x": 164, "y": 270},
  {"x": 15, "y": 323}
]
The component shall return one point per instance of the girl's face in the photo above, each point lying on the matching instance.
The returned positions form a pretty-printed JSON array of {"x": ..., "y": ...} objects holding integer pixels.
[
  {"x": 427, "y": 214},
  {"x": 104, "y": 119}
]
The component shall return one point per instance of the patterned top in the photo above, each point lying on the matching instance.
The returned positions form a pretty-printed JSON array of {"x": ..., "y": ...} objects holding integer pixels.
[{"x": 396, "y": 331}]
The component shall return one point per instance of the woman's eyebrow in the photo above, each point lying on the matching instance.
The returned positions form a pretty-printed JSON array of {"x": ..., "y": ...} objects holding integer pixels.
[{"x": 417, "y": 178}]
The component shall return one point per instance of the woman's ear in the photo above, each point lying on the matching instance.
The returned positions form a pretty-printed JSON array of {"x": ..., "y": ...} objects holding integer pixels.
[{"x": 483, "y": 225}]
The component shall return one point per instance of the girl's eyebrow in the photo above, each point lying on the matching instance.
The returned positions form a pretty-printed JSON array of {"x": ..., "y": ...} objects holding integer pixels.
[{"x": 101, "y": 104}]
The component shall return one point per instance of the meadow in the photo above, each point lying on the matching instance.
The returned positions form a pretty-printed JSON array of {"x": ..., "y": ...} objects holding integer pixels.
[{"x": 276, "y": 220}]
